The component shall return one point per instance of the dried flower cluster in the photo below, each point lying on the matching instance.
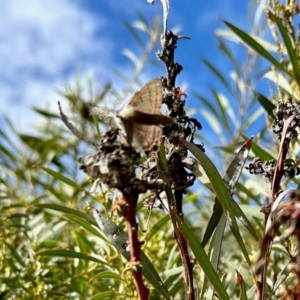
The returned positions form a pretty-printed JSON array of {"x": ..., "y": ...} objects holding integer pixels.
[
  {"x": 266, "y": 168},
  {"x": 113, "y": 163},
  {"x": 282, "y": 112}
]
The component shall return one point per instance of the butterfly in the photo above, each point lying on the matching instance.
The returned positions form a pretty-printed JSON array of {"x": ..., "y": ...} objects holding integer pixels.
[{"x": 138, "y": 120}]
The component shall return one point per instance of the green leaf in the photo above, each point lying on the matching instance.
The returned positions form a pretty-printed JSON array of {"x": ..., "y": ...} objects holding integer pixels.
[
  {"x": 222, "y": 114},
  {"x": 215, "y": 248},
  {"x": 213, "y": 222},
  {"x": 61, "y": 177},
  {"x": 157, "y": 227},
  {"x": 283, "y": 81},
  {"x": 68, "y": 210},
  {"x": 86, "y": 225},
  {"x": 49, "y": 244},
  {"x": 131, "y": 56},
  {"x": 265, "y": 103},
  {"x": 231, "y": 177},
  {"x": 281, "y": 278},
  {"x": 46, "y": 113},
  {"x": 15, "y": 254},
  {"x": 202, "y": 258},
  {"x": 221, "y": 192},
  {"x": 118, "y": 238},
  {"x": 231, "y": 57},
  {"x": 84, "y": 243},
  {"x": 252, "y": 43},
  {"x": 107, "y": 275},
  {"x": 229, "y": 35},
  {"x": 70, "y": 254},
  {"x": 133, "y": 32},
  {"x": 289, "y": 47},
  {"x": 8, "y": 154},
  {"x": 260, "y": 152},
  {"x": 240, "y": 281},
  {"x": 207, "y": 102},
  {"x": 217, "y": 73},
  {"x": 108, "y": 295},
  {"x": 8, "y": 138},
  {"x": 164, "y": 167}
]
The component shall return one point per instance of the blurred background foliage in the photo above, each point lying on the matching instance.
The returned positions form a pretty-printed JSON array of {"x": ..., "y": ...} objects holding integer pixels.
[{"x": 50, "y": 245}]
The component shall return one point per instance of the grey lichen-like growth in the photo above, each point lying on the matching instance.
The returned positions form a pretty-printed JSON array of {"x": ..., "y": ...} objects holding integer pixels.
[{"x": 114, "y": 163}]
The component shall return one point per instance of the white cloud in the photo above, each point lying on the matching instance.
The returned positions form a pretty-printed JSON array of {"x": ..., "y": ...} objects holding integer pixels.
[{"x": 41, "y": 45}]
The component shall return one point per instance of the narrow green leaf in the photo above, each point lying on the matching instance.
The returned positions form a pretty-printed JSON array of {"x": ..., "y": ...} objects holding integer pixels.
[
  {"x": 281, "y": 278},
  {"x": 70, "y": 254},
  {"x": 289, "y": 47},
  {"x": 222, "y": 114},
  {"x": 235, "y": 168},
  {"x": 109, "y": 295},
  {"x": 231, "y": 177},
  {"x": 118, "y": 238},
  {"x": 252, "y": 292},
  {"x": 8, "y": 154},
  {"x": 229, "y": 35},
  {"x": 86, "y": 225},
  {"x": 15, "y": 254},
  {"x": 49, "y": 244},
  {"x": 164, "y": 167},
  {"x": 221, "y": 192},
  {"x": 261, "y": 152},
  {"x": 230, "y": 55},
  {"x": 207, "y": 102},
  {"x": 133, "y": 32},
  {"x": 144, "y": 20},
  {"x": 46, "y": 113},
  {"x": 214, "y": 253},
  {"x": 84, "y": 243},
  {"x": 217, "y": 73},
  {"x": 265, "y": 103},
  {"x": 61, "y": 177},
  {"x": 157, "y": 227},
  {"x": 214, "y": 122},
  {"x": 68, "y": 210},
  {"x": 240, "y": 281},
  {"x": 282, "y": 81},
  {"x": 107, "y": 275},
  {"x": 202, "y": 258},
  {"x": 213, "y": 222},
  {"x": 131, "y": 56},
  {"x": 252, "y": 43},
  {"x": 8, "y": 139},
  {"x": 253, "y": 211}
]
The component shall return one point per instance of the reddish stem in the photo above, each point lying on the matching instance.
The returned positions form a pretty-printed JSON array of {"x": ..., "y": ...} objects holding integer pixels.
[
  {"x": 183, "y": 247},
  {"x": 132, "y": 227}
]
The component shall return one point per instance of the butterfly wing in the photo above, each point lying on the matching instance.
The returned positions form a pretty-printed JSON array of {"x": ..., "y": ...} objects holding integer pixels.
[
  {"x": 149, "y": 136},
  {"x": 106, "y": 115},
  {"x": 148, "y": 100}
]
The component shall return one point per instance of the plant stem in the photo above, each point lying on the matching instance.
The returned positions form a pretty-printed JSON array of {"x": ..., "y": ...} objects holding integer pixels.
[{"x": 134, "y": 244}]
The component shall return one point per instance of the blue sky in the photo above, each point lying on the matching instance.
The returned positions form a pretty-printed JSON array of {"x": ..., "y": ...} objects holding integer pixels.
[{"x": 43, "y": 43}]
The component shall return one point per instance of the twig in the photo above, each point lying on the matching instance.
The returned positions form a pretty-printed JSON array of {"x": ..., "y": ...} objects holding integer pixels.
[
  {"x": 278, "y": 174},
  {"x": 183, "y": 128},
  {"x": 74, "y": 130},
  {"x": 129, "y": 215}
]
